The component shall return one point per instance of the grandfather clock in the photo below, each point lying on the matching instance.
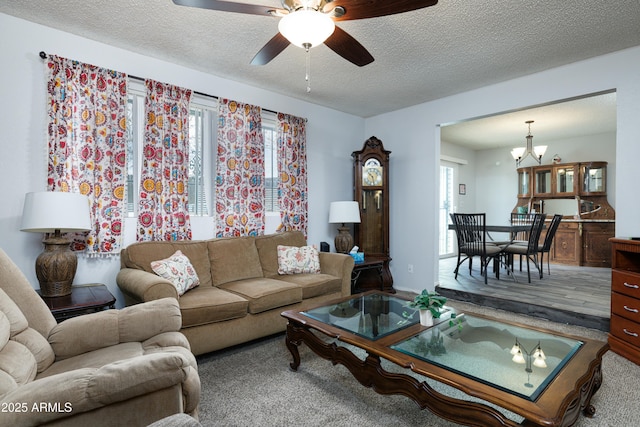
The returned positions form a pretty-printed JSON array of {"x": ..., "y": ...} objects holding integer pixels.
[{"x": 371, "y": 190}]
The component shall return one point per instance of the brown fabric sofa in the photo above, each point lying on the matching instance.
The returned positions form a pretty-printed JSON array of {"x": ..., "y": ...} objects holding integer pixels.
[
  {"x": 241, "y": 294},
  {"x": 116, "y": 367}
]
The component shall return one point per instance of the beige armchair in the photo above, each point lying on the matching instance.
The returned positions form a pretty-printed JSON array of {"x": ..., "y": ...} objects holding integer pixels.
[{"x": 117, "y": 367}]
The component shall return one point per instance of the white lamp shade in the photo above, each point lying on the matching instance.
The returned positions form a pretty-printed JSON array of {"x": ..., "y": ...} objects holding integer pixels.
[
  {"x": 539, "y": 362},
  {"x": 344, "y": 212},
  {"x": 517, "y": 152},
  {"x": 518, "y": 357},
  {"x": 540, "y": 150},
  {"x": 306, "y": 27},
  {"x": 48, "y": 211}
]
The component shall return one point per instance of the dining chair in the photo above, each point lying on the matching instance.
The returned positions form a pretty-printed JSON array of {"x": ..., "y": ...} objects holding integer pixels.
[
  {"x": 521, "y": 237},
  {"x": 545, "y": 248},
  {"x": 531, "y": 249},
  {"x": 471, "y": 234}
]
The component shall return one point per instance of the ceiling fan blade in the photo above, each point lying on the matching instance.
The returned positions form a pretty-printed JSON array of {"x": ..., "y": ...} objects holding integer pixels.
[
  {"x": 363, "y": 9},
  {"x": 270, "y": 50},
  {"x": 349, "y": 48},
  {"x": 226, "y": 6}
]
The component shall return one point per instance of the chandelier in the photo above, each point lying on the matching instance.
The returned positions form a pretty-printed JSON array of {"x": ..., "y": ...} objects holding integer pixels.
[{"x": 536, "y": 152}]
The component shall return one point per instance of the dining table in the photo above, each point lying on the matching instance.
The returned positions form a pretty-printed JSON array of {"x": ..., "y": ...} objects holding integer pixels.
[{"x": 513, "y": 229}]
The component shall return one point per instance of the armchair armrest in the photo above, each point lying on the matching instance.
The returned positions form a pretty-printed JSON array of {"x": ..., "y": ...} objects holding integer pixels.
[
  {"x": 83, "y": 390},
  {"x": 144, "y": 286},
  {"x": 107, "y": 328},
  {"x": 339, "y": 265}
]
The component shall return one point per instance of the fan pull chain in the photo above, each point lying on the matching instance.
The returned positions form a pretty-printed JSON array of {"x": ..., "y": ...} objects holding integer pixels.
[{"x": 307, "y": 75}]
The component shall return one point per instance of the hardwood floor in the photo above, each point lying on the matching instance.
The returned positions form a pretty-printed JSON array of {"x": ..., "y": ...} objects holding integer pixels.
[{"x": 572, "y": 295}]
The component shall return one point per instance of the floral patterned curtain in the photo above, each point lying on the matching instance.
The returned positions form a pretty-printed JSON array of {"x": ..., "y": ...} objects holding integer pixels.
[
  {"x": 292, "y": 166},
  {"x": 163, "y": 212},
  {"x": 239, "y": 170},
  {"x": 87, "y": 145}
]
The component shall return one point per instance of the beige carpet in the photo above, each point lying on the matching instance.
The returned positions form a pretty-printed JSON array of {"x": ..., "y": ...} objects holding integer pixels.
[{"x": 251, "y": 385}]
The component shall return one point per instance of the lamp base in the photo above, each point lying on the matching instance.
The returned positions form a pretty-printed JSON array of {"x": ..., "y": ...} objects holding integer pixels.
[
  {"x": 56, "y": 267},
  {"x": 344, "y": 240}
]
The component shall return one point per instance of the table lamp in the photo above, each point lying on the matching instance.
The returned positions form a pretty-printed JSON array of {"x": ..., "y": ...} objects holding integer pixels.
[
  {"x": 344, "y": 213},
  {"x": 56, "y": 212}
]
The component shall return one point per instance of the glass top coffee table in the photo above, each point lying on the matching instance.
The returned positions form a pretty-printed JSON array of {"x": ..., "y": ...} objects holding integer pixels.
[{"x": 544, "y": 377}]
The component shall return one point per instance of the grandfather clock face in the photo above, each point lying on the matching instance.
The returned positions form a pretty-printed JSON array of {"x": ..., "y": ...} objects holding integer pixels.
[{"x": 372, "y": 173}]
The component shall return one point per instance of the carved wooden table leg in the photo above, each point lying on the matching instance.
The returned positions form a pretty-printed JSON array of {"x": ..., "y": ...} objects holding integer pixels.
[{"x": 292, "y": 345}]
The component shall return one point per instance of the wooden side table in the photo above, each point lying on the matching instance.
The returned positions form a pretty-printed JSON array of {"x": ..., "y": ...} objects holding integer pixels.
[
  {"x": 83, "y": 299},
  {"x": 370, "y": 264}
]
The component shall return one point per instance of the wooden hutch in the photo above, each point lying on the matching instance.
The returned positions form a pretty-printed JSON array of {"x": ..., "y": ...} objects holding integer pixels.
[{"x": 578, "y": 191}]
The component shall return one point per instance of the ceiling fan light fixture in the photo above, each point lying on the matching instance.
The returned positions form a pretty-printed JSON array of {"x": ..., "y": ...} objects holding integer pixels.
[{"x": 306, "y": 28}]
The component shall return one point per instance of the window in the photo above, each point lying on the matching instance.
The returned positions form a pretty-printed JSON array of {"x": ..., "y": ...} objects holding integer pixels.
[
  {"x": 269, "y": 129},
  {"x": 202, "y": 148},
  {"x": 135, "y": 132},
  {"x": 201, "y": 142}
]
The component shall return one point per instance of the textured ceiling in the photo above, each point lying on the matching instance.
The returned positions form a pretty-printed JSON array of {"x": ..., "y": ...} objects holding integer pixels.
[{"x": 452, "y": 47}]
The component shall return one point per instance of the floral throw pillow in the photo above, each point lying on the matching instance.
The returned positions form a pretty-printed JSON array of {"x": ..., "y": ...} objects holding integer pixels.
[
  {"x": 178, "y": 270},
  {"x": 297, "y": 260}
]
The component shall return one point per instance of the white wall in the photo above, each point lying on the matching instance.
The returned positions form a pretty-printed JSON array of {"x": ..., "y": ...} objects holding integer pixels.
[
  {"x": 413, "y": 136},
  {"x": 331, "y": 135}
]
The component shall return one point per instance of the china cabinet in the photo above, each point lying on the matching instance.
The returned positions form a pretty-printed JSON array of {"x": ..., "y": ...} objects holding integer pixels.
[
  {"x": 583, "y": 243},
  {"x": 542, "y": 181},
  {"x": 565, "y": 180},
  {"x": 524, "y": 182},
  {"x": 593, "y": 178},
  {"x": 577, "y": 191}
]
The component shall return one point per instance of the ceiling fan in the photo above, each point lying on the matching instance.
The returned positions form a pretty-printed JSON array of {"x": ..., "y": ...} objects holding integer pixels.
[{"x": 309, "y": 23}]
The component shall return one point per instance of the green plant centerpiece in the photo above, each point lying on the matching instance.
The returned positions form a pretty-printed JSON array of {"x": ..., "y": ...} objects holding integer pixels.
[
  {"x": 428, "y": 300},
  {"x": 429, "y": 304}
]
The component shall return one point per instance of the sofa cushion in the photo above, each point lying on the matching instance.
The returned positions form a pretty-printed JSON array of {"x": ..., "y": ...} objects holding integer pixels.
[
  {"x": 14, "y": 315},
  {"x": 167, "y": 342},
  {"x": 314, "y": 285},
  {"x": 95, "y": 358},
  {"x": 38, "y": 346},
  {"x": 298, "y": 260},
  {"x": 207, "y": 305},
  {"x": 233, "y": 258},
  {"x": 267, "y": 246},
  {"x": 140, "y": 255},
  {"x": 17, "y": 365},
  {"x": 265, "y": 294},
  {"x": 178, "y": 270},
  {"x": 5, "y": 329}
]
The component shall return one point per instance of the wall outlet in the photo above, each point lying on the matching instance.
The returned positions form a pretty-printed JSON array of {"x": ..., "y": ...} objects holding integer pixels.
[{"x": 410, "y": 268}]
